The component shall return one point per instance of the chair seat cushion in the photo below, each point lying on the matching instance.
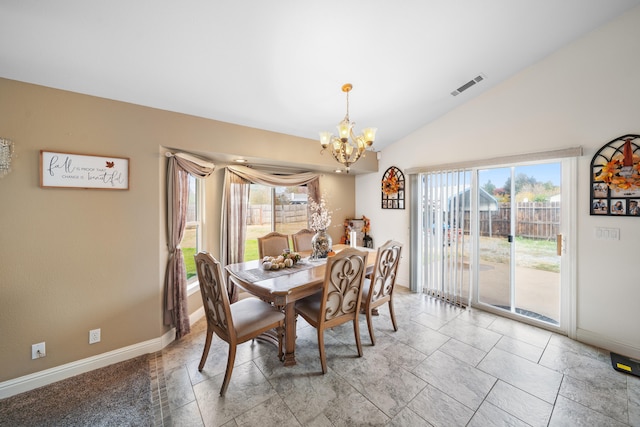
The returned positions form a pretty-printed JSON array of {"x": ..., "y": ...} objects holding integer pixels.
[
  {"x": 310, "y": 306},
  {"x": 251, "y": 314}
]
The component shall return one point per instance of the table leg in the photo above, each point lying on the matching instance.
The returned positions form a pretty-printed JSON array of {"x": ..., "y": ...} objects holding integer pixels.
[{"x": 289, "y": 334}]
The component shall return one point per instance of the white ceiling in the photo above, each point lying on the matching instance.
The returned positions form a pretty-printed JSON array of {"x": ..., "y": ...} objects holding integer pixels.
[{"x": 279, "y": 65}]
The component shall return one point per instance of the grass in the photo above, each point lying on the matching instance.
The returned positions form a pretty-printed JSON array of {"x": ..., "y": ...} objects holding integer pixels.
[
  {"x": 250, "y": 249},
  {"x": 532, "y": 253},
  {"x": 189, "y": 261}
]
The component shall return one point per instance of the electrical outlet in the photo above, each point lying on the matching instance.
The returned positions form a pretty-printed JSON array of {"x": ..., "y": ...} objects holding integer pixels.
[
  {"x": 38, "y": 351},
  {"x": 94, "y": 336}
]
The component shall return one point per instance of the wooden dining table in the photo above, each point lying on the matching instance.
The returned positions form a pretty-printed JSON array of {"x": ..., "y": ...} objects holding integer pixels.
[{"x": 284, "y": 287}]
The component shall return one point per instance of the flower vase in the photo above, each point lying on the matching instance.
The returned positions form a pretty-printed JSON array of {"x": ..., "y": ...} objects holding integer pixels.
[{"x": 320, "y": 244}]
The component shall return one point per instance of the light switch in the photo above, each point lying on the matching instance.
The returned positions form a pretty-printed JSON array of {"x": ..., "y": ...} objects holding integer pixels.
[{"x": 601, "y": 233}]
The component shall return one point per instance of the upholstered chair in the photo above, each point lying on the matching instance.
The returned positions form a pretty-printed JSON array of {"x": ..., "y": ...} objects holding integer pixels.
[
  {"x": 339, "y": 300},
  {"x": 272, "y": 244},
  {"x": 234, "y": 323},
  {"x": 378, "y": 289},
  {"x": 302, "y": 240}
]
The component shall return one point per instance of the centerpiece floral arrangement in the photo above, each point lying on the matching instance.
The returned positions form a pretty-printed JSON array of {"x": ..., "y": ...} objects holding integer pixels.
[
  {"x": 320, "y": 218},
  {"x": 319, "y": 221}
]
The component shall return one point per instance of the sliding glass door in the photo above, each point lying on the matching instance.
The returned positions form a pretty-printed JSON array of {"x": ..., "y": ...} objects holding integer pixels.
[{"x": 518, "y": 258}]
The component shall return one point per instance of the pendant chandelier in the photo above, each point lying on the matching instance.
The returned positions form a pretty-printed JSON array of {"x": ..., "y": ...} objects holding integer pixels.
[{"x": 347, "y": 148}]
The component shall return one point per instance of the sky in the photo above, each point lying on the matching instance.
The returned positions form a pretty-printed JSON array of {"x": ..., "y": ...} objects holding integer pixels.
[{"x": 541, "y": 172}]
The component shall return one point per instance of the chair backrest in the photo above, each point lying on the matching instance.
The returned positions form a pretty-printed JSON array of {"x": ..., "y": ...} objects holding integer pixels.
[
  {"x": 302, "y": 240},
  {"x": 272, "y": 244},
  {"x": 383, "y": 278},
  {"x": 214, "y": 296},
  {"x": 342, "y": 290}
]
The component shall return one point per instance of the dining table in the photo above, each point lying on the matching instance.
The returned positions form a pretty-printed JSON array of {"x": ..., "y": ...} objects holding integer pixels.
[{"x": 285, "y": 286}]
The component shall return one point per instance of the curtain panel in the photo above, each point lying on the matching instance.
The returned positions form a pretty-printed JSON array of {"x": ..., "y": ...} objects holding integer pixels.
[{"x": 179, "y": 166}]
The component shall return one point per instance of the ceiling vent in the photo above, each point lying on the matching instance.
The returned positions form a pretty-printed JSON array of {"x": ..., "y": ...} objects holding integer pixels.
[{"x": 468, "y": 84}]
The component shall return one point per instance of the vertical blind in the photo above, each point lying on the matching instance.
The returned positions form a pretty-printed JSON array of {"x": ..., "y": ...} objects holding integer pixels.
[{"x": 442, "y": 267}]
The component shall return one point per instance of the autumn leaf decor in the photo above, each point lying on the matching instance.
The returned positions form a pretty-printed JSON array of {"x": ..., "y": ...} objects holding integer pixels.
[
  {"x": 622, "y": 171},
  {"x": 367, "y": 224},
  {"x": 390, "y": 184}
]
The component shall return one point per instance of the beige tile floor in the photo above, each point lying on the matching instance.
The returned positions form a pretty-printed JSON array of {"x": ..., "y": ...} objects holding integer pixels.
[{"x": 445, "y": 366}]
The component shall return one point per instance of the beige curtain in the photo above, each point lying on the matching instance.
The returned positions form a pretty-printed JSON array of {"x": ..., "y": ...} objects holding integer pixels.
[
  {"x": 175, "y": 283},
  {"x": 235, "y": 210},
  {"x": 235, "y": 207}
]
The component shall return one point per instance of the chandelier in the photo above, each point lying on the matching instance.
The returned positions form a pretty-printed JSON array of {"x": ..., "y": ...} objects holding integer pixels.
[{"x": 347, "y": 148}]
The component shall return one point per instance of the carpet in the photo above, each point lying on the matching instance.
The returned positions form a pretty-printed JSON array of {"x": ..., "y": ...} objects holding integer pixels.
[{"x": 116, "y": 395}]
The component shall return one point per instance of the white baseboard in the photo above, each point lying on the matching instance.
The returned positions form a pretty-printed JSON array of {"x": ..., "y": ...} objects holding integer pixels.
[
  {"x": 196, "y": 315},
  {"x": 598, "y": 340},
  {"x": 48, "y": 376}
]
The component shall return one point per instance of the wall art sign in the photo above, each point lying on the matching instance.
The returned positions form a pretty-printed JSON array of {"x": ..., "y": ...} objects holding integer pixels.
[
  {"x": 69, "y": 170},
  {"x": 615, "y": 178},
  {"x": 393, "y": 189}
]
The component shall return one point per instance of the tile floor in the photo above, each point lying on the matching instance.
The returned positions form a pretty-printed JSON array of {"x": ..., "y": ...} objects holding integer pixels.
[{"x": 445, "y": 366}]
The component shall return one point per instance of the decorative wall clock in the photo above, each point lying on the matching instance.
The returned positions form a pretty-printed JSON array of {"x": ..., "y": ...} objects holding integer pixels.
[
  {"x": 615, "y": 178},
  {"x": 393, "y": 189}
]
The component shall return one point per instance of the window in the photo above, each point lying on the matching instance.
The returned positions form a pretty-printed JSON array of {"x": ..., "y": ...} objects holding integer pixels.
[
  {"x": 281, "y": 209},
  {"x": 192, "y": 239}
]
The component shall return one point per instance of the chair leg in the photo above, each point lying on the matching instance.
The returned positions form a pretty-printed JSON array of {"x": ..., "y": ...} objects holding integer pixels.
[
  {"x": 227, "y": 375},
  {"x": 393, "y": 315},
  {"x": 205, "y": 352},
  {"x": 323, "y": 357},
  {"x": 370, "y": 326},
  {"x": 356, "y": 330}
]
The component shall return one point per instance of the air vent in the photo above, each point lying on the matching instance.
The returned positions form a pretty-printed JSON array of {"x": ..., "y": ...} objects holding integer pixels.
[{"x": 468, "y": 84}]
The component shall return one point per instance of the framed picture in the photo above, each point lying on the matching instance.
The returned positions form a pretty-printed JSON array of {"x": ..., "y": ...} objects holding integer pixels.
[
  {"x": 70, "y": 170},
  {"x": 615, "y": 186}
]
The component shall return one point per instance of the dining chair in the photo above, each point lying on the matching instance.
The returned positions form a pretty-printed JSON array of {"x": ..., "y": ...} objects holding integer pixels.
[
  {"x": 339, "y": 300},
  {"x": 378, "y": 289},
  {"x": 272, "y": 244},
  {"x": 234, "y": 323},
  {"x": 302, "y": 240}
]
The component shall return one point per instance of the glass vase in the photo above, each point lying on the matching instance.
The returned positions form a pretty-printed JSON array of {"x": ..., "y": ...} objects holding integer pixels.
[{"x": 321, "y": 244}]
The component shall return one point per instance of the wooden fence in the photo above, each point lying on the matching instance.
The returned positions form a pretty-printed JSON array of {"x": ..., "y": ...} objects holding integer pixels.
[
  {"x": 285, "y": 214},
  {"x": 535, "y": 220}
]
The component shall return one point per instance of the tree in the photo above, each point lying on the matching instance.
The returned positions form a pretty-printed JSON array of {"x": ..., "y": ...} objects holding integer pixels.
[
  {"x": 489, "y": 187},
  {"x": 521, "y": 180}
]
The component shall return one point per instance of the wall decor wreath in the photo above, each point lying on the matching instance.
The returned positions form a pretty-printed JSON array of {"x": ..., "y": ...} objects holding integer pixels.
[
  {"x": 615, "y": 178},
  {"x": 393, "y": 189}
]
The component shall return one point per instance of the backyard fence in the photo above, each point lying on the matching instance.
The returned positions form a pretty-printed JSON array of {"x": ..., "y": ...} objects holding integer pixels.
[
  {"x": 534, "y": 220},
  {"x": 285, "y": 214}
]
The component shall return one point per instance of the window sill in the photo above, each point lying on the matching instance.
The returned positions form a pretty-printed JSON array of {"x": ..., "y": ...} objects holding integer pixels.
[{"x": 192, "y": 288}]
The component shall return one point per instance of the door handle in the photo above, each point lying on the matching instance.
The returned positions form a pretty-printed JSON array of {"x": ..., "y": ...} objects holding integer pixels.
[{"x": 559, "y": 247}]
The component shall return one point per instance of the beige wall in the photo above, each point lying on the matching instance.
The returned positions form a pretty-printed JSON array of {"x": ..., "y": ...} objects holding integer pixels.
[
  {"x": 586, "y": 94},
  {"x": 74, "y": 260}
]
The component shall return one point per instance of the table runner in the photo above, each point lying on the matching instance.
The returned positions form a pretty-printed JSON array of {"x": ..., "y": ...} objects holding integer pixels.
[{"x": 257, "y": 274}]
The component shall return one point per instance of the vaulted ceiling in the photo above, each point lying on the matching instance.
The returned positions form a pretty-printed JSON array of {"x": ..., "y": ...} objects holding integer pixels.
[{"x": 279, "y": 65}]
